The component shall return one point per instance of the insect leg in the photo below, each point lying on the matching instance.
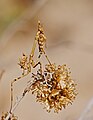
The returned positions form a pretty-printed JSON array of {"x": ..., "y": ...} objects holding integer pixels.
[
  {"x": 46, "y": 57},
  {"x": 38, "y": 63},
  {"x": 15, "y": 80}
]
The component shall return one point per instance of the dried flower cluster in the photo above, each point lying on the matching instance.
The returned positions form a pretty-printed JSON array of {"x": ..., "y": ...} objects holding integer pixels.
[
  {"x": 52, "y": 84},
  {"x": 55, "y": 88}
]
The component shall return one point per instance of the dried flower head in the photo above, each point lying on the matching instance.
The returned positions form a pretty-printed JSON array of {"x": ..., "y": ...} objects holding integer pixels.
[{"x": 54, "y": 88}]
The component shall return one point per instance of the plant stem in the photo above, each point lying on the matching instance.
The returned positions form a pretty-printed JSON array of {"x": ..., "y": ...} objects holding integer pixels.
[{"x": 27, "y": 89}]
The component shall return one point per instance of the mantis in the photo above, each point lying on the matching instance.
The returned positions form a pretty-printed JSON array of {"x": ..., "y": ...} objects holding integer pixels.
[
  {"x": 51, "y": 84},
  {"x": 27, "y": 62}
]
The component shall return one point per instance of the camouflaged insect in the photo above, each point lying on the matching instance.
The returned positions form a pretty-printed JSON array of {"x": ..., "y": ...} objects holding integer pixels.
[{"x": 51, "y": 84}]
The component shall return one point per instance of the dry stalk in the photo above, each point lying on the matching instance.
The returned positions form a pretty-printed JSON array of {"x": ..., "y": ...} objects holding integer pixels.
[
  {"x": 1, "y": 74},
  {"x": 26, "y": 90}
]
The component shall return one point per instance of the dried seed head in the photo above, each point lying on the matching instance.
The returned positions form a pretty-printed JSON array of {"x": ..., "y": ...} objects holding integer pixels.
[{"x": 54, "y": 88}]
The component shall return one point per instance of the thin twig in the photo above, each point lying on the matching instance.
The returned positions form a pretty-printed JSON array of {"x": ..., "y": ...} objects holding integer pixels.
[
  {"x": 19, "y": 22},
  {"x": 87, "y": 110},
  {"x": 26, "y": 90},
  {"x": 1, "y": 74}
]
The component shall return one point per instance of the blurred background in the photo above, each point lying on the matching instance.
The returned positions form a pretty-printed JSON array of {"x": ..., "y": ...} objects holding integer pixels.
[{"x": 68, "y": 25}]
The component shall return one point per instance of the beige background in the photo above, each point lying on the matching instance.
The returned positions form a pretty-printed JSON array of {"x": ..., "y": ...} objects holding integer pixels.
[{"x": 68, "y": 25}]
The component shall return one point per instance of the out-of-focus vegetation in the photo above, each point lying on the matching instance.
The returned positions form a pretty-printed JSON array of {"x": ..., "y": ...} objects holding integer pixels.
[{"x": 10, "y": 10}]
